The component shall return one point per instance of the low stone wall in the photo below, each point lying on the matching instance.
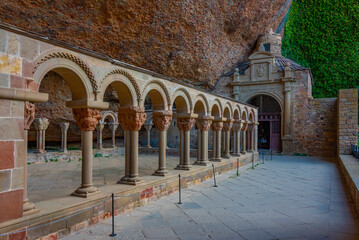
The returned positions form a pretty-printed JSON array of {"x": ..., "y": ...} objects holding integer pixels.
[
  {"x": 315, "y": 126},
  {"x": 140, "y": 195},
  {"x": 347, "y": 119},
  {"x": 350, "y": 168}
]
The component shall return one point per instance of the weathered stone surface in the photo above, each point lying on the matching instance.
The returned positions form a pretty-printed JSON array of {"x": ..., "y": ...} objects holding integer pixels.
[
  {"x": 11, "y": 205},
  {"x": 7, "y": 155},
  {"x": 5, "y": 180},
  {"x": 195, "y": 40}
]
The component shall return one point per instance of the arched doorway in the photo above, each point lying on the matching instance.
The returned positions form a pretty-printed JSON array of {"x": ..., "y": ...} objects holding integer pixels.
[{"x": 269, "y": 118}]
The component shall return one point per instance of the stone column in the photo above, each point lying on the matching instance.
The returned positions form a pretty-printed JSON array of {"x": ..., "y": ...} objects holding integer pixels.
[
  {"x": 184, "y": 124},
  {"x": 227, "y": 126},
  {"x": 99, "y": 128},
  {"x": 217, "y": 127},
  {"x": 203, "y": 124},
  {"x": 162, "y": 121},
  {"x": 41, "y": 125},
  {"x": 113, "y": 126},
  {"x": 250, "y": 137},
  {"x": 256, "y": 137},
  {"x": 237, "y": 125},
  {"x": 64, "y": 127},
  {"x": 86, "y": 119},
  {"x": 131, "y": 120},
  {"x": 148, "y": 127},
  {"x": 29, "y": 117},
  {"x": 244, "y": 130}
]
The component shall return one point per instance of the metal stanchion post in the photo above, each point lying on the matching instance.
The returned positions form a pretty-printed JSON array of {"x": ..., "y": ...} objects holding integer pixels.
[
  {"x": 113, "y": 216},
  {"x": 179, "y": 191},
  {"x": 252, "y": 161},
  {"x": 262, "y": 157},
  {"x": 214, "y": 177},
  {"x": 271, "y": 155},
  {"x": 237, "y": 166}
]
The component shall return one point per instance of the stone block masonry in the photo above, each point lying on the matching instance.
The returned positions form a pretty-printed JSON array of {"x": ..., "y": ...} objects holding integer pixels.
[{"x": 347, "y": 120}]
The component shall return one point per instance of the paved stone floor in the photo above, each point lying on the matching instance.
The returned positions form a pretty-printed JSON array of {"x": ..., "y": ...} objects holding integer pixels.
[
  {"x": 287, "y": 198},
  {"x": 57, "y": 179}
]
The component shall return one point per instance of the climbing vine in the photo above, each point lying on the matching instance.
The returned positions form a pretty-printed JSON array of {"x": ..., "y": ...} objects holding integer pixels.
[{"x": 324, "y": 36}]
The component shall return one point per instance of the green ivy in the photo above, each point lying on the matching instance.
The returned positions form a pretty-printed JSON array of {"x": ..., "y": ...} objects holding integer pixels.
[{"x": 324, "y": 36}]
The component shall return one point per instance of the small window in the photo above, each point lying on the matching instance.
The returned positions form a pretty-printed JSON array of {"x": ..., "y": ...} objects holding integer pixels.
[{"x": 267, "y": 47}]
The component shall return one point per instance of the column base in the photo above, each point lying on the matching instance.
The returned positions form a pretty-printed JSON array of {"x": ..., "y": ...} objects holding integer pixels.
[
  {"x": 29, "y": 208},
  {"x": 41, "y": 151},
  {"x": 250, "y": 151},
  {"x": 243, "y": 152},
  {"x": 236, "y": 154},
  {"x": 227, "y": 156},
  {"x": 201, "y": 163},
  {"x": 161, "y": 173},
  {"x": 183, "y": 167},
  {"x": 64, "y": 150},
  {"x": 216, "y": 159},
  {"x": 149, "y": 146},
  {"x": 85, "y": 192},
  {"x": 129, "y": 180}
]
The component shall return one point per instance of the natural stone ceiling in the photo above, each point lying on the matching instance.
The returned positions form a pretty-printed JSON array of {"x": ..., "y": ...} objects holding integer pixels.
[{"x": 197, "y": 40}]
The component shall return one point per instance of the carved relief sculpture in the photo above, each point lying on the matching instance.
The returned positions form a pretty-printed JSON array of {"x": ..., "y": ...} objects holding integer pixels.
[
  {"x": 29, "y": 115},
  {"x": 86, "y": 118},
  {"x": 131, "y": 118},
  {"x": 162, "y": 120}
]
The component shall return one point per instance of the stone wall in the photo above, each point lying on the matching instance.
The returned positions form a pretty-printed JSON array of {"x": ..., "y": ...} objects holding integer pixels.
[
  {"x": 314, "y": 120},
  {"x": 11, "y": 158},
  {"x": 347, "y": 121}
]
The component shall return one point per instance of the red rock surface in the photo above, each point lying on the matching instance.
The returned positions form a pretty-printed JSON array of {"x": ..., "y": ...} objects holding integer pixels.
[{"x": 196, "y": 40}]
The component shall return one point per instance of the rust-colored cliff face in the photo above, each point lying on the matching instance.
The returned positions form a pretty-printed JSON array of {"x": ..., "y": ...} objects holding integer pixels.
[{"x": 196, "y": 40}]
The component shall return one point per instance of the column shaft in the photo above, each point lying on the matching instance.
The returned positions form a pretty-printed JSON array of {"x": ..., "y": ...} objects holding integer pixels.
[
  {"x": 244, "y": 148},
  {"x": 134, "y": 157},
  {"x": 227, "y": 138},
  {"x": 162, "y": 154}
]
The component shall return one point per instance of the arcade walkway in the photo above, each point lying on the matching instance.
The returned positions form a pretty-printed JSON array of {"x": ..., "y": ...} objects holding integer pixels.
[{"x": 287, "y": 198}]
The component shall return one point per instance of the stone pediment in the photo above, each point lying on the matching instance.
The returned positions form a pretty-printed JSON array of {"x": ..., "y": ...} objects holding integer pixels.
[{"x": 260, "y": 55}]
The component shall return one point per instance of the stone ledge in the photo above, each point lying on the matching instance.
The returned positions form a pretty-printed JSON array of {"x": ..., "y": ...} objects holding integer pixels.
[
  {"x": 350, "y": 169},
  {"x": 55, "y": 209}
]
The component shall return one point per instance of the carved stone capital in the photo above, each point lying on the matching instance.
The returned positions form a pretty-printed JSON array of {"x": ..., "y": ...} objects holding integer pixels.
[
  {"x": 204, "y": 123},
  {"x": 245, "y": 126},
  {"x": 41, "y": 123},
  {"x": 29, "y": 115},
  {"x": 237, "y": 126},
  {"x": 64, "y": 126},
  {"x": 250, "y": 127},
  {"x": 227, "y": 126},
  {"x": 162, "y": 120},
  {"x": 86, "y": 118},
  {"x": 100, "y": 125},
  {"x": 131, "y": 118},
  {"x": 185, "y": 124},
  {"x": 217, "y": 126}
]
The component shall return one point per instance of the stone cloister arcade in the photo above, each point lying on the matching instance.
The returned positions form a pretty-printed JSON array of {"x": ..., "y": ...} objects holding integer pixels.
[{"x": 88, "y": 76}]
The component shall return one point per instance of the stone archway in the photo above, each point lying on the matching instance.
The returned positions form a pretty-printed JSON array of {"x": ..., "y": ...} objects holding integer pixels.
[{"x": 270, "y": 121}]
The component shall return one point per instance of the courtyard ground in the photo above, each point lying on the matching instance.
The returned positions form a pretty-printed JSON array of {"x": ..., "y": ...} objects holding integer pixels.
[
  {"x": 52, "y": 180},
  {"x": 286, "y": 198}
]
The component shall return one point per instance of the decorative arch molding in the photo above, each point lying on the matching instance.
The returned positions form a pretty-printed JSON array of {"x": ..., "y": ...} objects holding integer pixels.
[
  {"x": 273, "y": 95},
  {"x": 245, "y": 112},
  {"x": 202, "y": 97},
  {"x": 237, "y": 108},
  {"x": 111, "y": 114},
  {"x": 66, "y": 55},
  {"x": 128, "y": 76},
  {"x": 161, "y": 85},
  {"x": 219, "y": 104},
  {"x": 229, "y": 106},
  {"x": 185, "y": 94}
]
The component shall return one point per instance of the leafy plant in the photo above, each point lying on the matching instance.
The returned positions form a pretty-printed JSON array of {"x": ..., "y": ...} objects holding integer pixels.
[
  {"x": 98, "y": 155},
  {"x": 324, "y": 36}
]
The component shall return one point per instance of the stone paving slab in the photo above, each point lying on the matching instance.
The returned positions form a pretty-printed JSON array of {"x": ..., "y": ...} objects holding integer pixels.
[{"x": 254, "y": 205}]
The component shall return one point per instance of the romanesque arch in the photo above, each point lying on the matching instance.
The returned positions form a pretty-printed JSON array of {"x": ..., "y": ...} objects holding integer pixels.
[
  {"x": 217, "y": 106},
  {"x": 158, "y": 93},
  {"x": 79, "y": 77},
  {"x": 125, "y": 85},
  {"x": 200, "y": 97},
  {"x": 182, "y": 101},
  {"x": 110, "y": 114}
]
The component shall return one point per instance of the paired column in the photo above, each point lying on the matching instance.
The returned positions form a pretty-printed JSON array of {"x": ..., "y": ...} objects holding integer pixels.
[
  {"x": 244, "y": 131},
  {"x": 29, "y": 117},
  {"x": 203, "y": 124},
  {"x": 184, "y": 124},
  {"x": 131, "y": 120},
  {"x": 217, "y": 127},
  {"x": 86, "y": 119},
  {"x": 256, "y": 136},
  {"x": 99, "y": 128},
  {"x": 250, "y": 138},
  {"x": 237, "y": 125},
  {"x": 162, "y": 121},
  {"x": 64, "y": 127},
  {"x": 41, "y": 125},
  {"x": 148, "y": 127},
  {"x": 227, "y": 126},
  {"x": 113, "y": 126}
]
